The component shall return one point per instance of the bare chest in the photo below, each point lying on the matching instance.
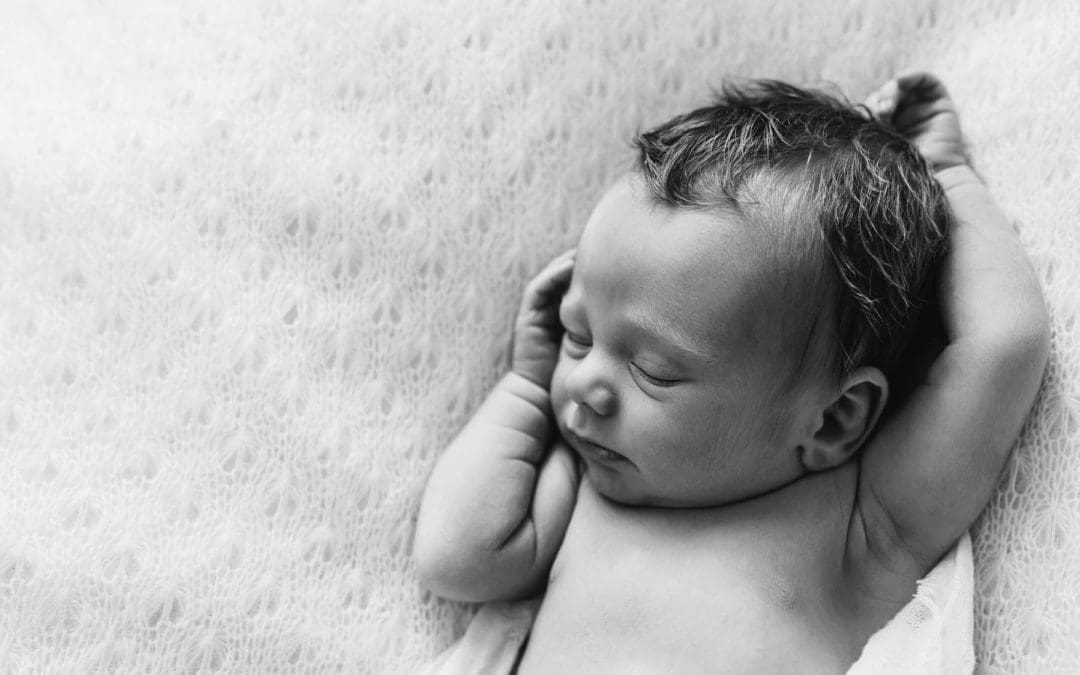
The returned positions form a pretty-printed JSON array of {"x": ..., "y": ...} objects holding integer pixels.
[{"x": 734, "y": 589}]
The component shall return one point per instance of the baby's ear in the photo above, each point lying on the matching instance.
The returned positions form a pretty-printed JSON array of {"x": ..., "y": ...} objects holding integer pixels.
[{"x": 847, "y": 421}]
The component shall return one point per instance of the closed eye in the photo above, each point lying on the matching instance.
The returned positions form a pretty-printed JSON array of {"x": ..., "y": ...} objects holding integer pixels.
[
  {"x": 577, "y": 339},
  {"x": 576, "y": 346},
  {"x": 652, "y": 379}
]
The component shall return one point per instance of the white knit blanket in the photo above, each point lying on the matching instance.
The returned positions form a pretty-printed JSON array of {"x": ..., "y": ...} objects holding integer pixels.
[{"x": 259, "y": 258}]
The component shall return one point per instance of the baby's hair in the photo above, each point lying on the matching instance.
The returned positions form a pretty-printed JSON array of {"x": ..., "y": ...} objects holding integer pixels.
[{"x": 839, "y": 184}]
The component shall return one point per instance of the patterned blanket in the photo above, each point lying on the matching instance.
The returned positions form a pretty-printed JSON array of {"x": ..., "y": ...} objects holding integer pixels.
[{"x": 259, "y": 259}]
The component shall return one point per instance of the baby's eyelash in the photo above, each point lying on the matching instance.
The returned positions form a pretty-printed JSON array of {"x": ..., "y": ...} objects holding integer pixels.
[
  {"x": 652, "y": 379},
  {"x": 577, "y": 339}
]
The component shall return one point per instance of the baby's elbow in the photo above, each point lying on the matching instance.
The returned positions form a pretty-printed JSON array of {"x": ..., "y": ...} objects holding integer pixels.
[
  {"x": 1040, "y": 347},
  {"x": 458, "y": 583},
  {"x": 437, "y": 554},
  {"x": 438, "y": 577},
  {"x": 452, "y": 573},
  {"x": 436, "y": 566},
  {"x": 1042, "y": 332},
  {"x": 1017, "y": 360},
  {"x": 1017, "y": 344},
  {"x": 1029, "y": 346}
]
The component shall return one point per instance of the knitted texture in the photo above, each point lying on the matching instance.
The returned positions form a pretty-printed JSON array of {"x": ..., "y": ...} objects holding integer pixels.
[{"x": 259, "y": 261}]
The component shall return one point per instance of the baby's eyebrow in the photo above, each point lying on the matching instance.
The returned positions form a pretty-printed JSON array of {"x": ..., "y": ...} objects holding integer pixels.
[{"x": 661, "y": 330}]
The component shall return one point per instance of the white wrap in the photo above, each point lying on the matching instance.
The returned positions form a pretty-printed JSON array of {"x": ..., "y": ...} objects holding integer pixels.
[{"x": 932, "y": 634}]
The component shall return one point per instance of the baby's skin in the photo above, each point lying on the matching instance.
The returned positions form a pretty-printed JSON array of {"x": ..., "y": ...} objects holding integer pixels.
[{"x": 682, "y": 501}]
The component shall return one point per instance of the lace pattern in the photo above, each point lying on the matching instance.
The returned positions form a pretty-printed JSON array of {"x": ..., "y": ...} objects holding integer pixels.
[{"x": 259, "y": 259}]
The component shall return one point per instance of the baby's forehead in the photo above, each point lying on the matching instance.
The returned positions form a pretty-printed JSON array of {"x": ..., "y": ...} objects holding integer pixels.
[
  {"x": 724, "y": 276},
  {"x": 756, "y": 246}
]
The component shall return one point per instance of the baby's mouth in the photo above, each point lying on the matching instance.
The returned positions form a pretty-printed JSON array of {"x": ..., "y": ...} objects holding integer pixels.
[{"x": 594, "y": 451}]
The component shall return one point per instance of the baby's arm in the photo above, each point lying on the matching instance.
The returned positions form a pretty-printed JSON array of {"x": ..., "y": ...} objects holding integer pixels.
[
  {"x": 498, "y": 502},
  {"x": 931, "y": 468}
]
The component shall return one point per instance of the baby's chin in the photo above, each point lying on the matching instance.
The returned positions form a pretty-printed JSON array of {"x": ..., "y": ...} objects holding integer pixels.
[
  {"x": 621, "y": 490},
  {"x": 627, "y": 491},
  {"x": 616, "y": 493}
]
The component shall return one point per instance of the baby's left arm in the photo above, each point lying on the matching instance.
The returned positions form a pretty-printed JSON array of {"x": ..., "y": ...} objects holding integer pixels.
[
  {"x": 500, "y": 497},
  {"x": 932, "y": 466}
]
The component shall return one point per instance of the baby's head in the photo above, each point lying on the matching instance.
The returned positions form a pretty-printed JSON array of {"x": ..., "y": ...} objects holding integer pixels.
[{"x": 738, "y": 299}]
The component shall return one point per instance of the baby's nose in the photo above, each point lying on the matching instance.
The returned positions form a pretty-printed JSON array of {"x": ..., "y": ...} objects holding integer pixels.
[
  {"x": 587, "y": 386},
  {"x": 600, "y": 400}
]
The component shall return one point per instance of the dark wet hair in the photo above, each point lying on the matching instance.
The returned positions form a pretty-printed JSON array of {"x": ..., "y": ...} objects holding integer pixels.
[{"x": 847, "y": 193}]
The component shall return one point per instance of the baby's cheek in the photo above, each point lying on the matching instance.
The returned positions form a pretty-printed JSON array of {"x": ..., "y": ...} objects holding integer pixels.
[
  {"x": 558, "y": 383},
  {"x": 652, "y": 425},
  {"x": 695, "y": 428}
]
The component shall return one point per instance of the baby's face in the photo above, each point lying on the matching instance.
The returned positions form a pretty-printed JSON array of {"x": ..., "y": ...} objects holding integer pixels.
[{"x": 672, "y": 359}]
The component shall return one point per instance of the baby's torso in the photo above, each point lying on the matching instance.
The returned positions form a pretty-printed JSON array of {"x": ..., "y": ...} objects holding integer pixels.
[{"x": 759, "y": 587}]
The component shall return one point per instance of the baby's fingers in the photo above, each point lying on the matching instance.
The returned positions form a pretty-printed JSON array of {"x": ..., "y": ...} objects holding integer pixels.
[
  {"x": 882, "y": 103},
  {"x": 535, "y": 346},
  {"x": 920, "y": 87},
  {"x": 549, "y": 285},
  {"x": 918, "y": 107},
  {"x": 906, "y": 94}
]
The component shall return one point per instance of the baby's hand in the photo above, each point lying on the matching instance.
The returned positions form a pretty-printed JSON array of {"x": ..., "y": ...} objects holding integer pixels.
[
  {"x": 918, "y": 106},
  {"x": 537, "y": 330}
]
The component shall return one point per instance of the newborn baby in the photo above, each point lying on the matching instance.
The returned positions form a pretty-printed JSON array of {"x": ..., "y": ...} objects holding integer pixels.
[{"x": 700, "y": 455}]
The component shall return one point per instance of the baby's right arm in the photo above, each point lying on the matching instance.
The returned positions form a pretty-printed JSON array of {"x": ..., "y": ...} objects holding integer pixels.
[
  {"x": 931, "y": 467},
  {"x": 498, "y": 502}
]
